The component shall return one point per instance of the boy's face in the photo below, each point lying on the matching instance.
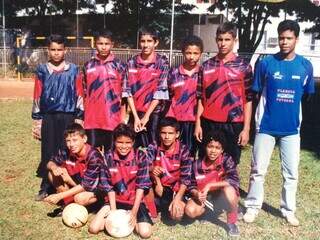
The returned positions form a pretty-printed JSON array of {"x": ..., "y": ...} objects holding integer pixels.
[
  {"x": 123, "y": 145},
  {"x": 213, "y": 150},
  {"x": 103, "y": 46},
  {"x": 75, "y": 143},
  {"x": 287, "y": 41},
  {"x": 56, "y": 52},
  {"x": 192, "y": 55},
  {"x": 168, "y": 136},
  {"x": 225, "y": 43},
  {"x": 148, "y": 44}
]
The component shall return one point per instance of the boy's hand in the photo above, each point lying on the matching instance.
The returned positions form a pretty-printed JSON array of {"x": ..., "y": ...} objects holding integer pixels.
[
  {"x": 157, "y": 171},
  {"x": 203, "y": 195},
  {"x": 57, "y": 171},
  {"x": 243, "y": 138},
  {"x": 79, "y": 121},
  {"x": 137, "y": 125},
  {"x": 133, "y": 218},
  {"x": 36, "y": 129},
  {"x": 53, "y": 198},
  {"x": 176, "y": 208},
  {"x": 198, "y": 132},
  {"x": 144, "y": 122}
]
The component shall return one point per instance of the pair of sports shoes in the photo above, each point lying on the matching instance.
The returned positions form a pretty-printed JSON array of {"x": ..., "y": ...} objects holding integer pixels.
[{"x": 252, "y": 213}]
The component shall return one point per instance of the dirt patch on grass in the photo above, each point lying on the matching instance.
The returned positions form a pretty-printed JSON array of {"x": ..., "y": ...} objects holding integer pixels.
[{"x": 16, "y": 90}]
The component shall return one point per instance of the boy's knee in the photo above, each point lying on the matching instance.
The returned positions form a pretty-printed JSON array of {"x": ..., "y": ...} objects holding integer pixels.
[
  {"x": 94, "y": 229},
  {"x": 79, "y": 199},
  {"x": 145, "y": 232},
  {"x": 190, "y": 211}
]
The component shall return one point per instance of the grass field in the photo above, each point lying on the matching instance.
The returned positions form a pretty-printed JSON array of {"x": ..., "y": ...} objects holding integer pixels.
[{"x": 23, "y": 218}]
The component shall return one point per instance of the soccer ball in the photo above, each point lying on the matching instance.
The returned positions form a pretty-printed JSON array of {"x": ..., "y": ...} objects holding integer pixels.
[
  {"x": 117, "y": 223},
  {"x": 74, "y": 215}
]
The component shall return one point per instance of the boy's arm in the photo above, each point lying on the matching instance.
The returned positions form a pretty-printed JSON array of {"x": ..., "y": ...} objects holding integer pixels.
[
  {"x": 154, "y": 103},
  {"x": 198, "y": 129},
  {"x": 137, "y": 122},
  {"x": 36, "y": 113},
  {"x": 80, "y": 97},
  {"x": 55, "y": 198},
  {"x": 247, "y": 108},
  {"x": 112, "y": 200}
]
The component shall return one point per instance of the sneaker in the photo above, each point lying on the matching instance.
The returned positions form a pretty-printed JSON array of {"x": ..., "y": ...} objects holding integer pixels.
[
  {"x": 292, "y": 220},
  {"x": 250, "y": 215},
  {"x": 40, "y": 196},
  {"x": 233, "y": 230},
  {"x": 56, "y": 213}
]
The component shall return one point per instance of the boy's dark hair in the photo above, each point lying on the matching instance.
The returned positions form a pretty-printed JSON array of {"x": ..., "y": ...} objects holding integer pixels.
[
  {"x": 289, "y": 25},
  {"x": 217, "y": 136},
  {"x": 149, "y": 31},
  {"x": 124, "y": 130},
  {"x": 105, "y": 33},
  {"x": 74, "y": 128},
  {"x": 57, "y": 38},
  {"x": 227, "y": 27},
  {"x": 192, "y": 40},
  {"x": 169, "y": 122}
]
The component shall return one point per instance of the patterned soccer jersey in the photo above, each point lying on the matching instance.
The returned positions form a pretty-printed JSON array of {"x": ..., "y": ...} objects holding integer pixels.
[
  {"x": 126, "y": 175},
  {"x": 176, "y": 164},
  {"x": 223, "y": 169},
  {"x": 85, "y": 170},
  {"x": 224, "y": 88},
  {"x": 182, "y": 90},
  {"x": 146, "y": 81},
  {"x": 103, "y": 88}
]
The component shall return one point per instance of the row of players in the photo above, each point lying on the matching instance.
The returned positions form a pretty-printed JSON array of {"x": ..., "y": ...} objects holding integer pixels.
[
  {"x": 160, "y": 178},
  {"x": 214, "y": 96}
]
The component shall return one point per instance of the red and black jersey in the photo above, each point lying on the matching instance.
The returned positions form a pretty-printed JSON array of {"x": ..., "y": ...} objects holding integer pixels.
[
  {"x": 182, "y": 91},
  {"x": 125, "y": 175},
  {"x": 146, "y": 81},
  {"x": 177, "y": 164},
  {"x": 223, "y": 169},
  {"x": 103, "y": 80},
  {"x": 225, "y": 87},
  {"x": 84, "y": 170}
]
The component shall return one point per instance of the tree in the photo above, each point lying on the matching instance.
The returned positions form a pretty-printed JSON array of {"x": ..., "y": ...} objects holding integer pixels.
[{"x": 252, "y": 17}]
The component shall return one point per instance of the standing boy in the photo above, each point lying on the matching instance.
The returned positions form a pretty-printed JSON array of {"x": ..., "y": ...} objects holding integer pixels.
[
  {"x": 146, "y": 86},
  {"x": 71, "y": 171},
  {"x": 224, "y": 93},
  {"x": 182, "y": 90},
  {"x": 281, "y": 80},
  {"x": 171, "y": 169},
  {"x": 103, "y": 77},
  {"x": 57, "y": 102}
]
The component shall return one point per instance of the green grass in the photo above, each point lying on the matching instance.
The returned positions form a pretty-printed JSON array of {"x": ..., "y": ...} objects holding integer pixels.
[{"x": 23, "y": 218}]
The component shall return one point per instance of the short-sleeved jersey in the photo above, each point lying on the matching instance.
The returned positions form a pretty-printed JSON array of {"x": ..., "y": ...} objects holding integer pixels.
[
  {"x": 182, "y": 92},
  {"x": 84, "y": 169},
  {"x": 281, "y": 84},
  {"x": 57, "y": 91},
  {"x": 176, "y": 164},
  {"x": 225, "y": 87},
  {"x": 146, "y": 81},
  {"x": 223, "y": 169},
  {"x": 103, "y": 92},
  {"x": 125, "y": 175}
]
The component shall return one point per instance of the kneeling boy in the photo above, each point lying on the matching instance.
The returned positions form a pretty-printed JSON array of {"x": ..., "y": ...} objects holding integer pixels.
[
  {"x": 171, "y": 169},
  {"x": 72, "y": 170},
  {"x": 124, "y": 176},
  {"x": 215, "y": 181}
]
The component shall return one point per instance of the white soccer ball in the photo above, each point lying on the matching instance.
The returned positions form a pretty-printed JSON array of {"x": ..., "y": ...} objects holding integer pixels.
[
  {"x": 75, "y": 215},
  {"x": 117, "y": 223}
]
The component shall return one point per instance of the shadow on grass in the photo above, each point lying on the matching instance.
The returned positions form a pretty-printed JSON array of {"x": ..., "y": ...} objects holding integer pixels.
[{"x": 265, "y": 206}]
